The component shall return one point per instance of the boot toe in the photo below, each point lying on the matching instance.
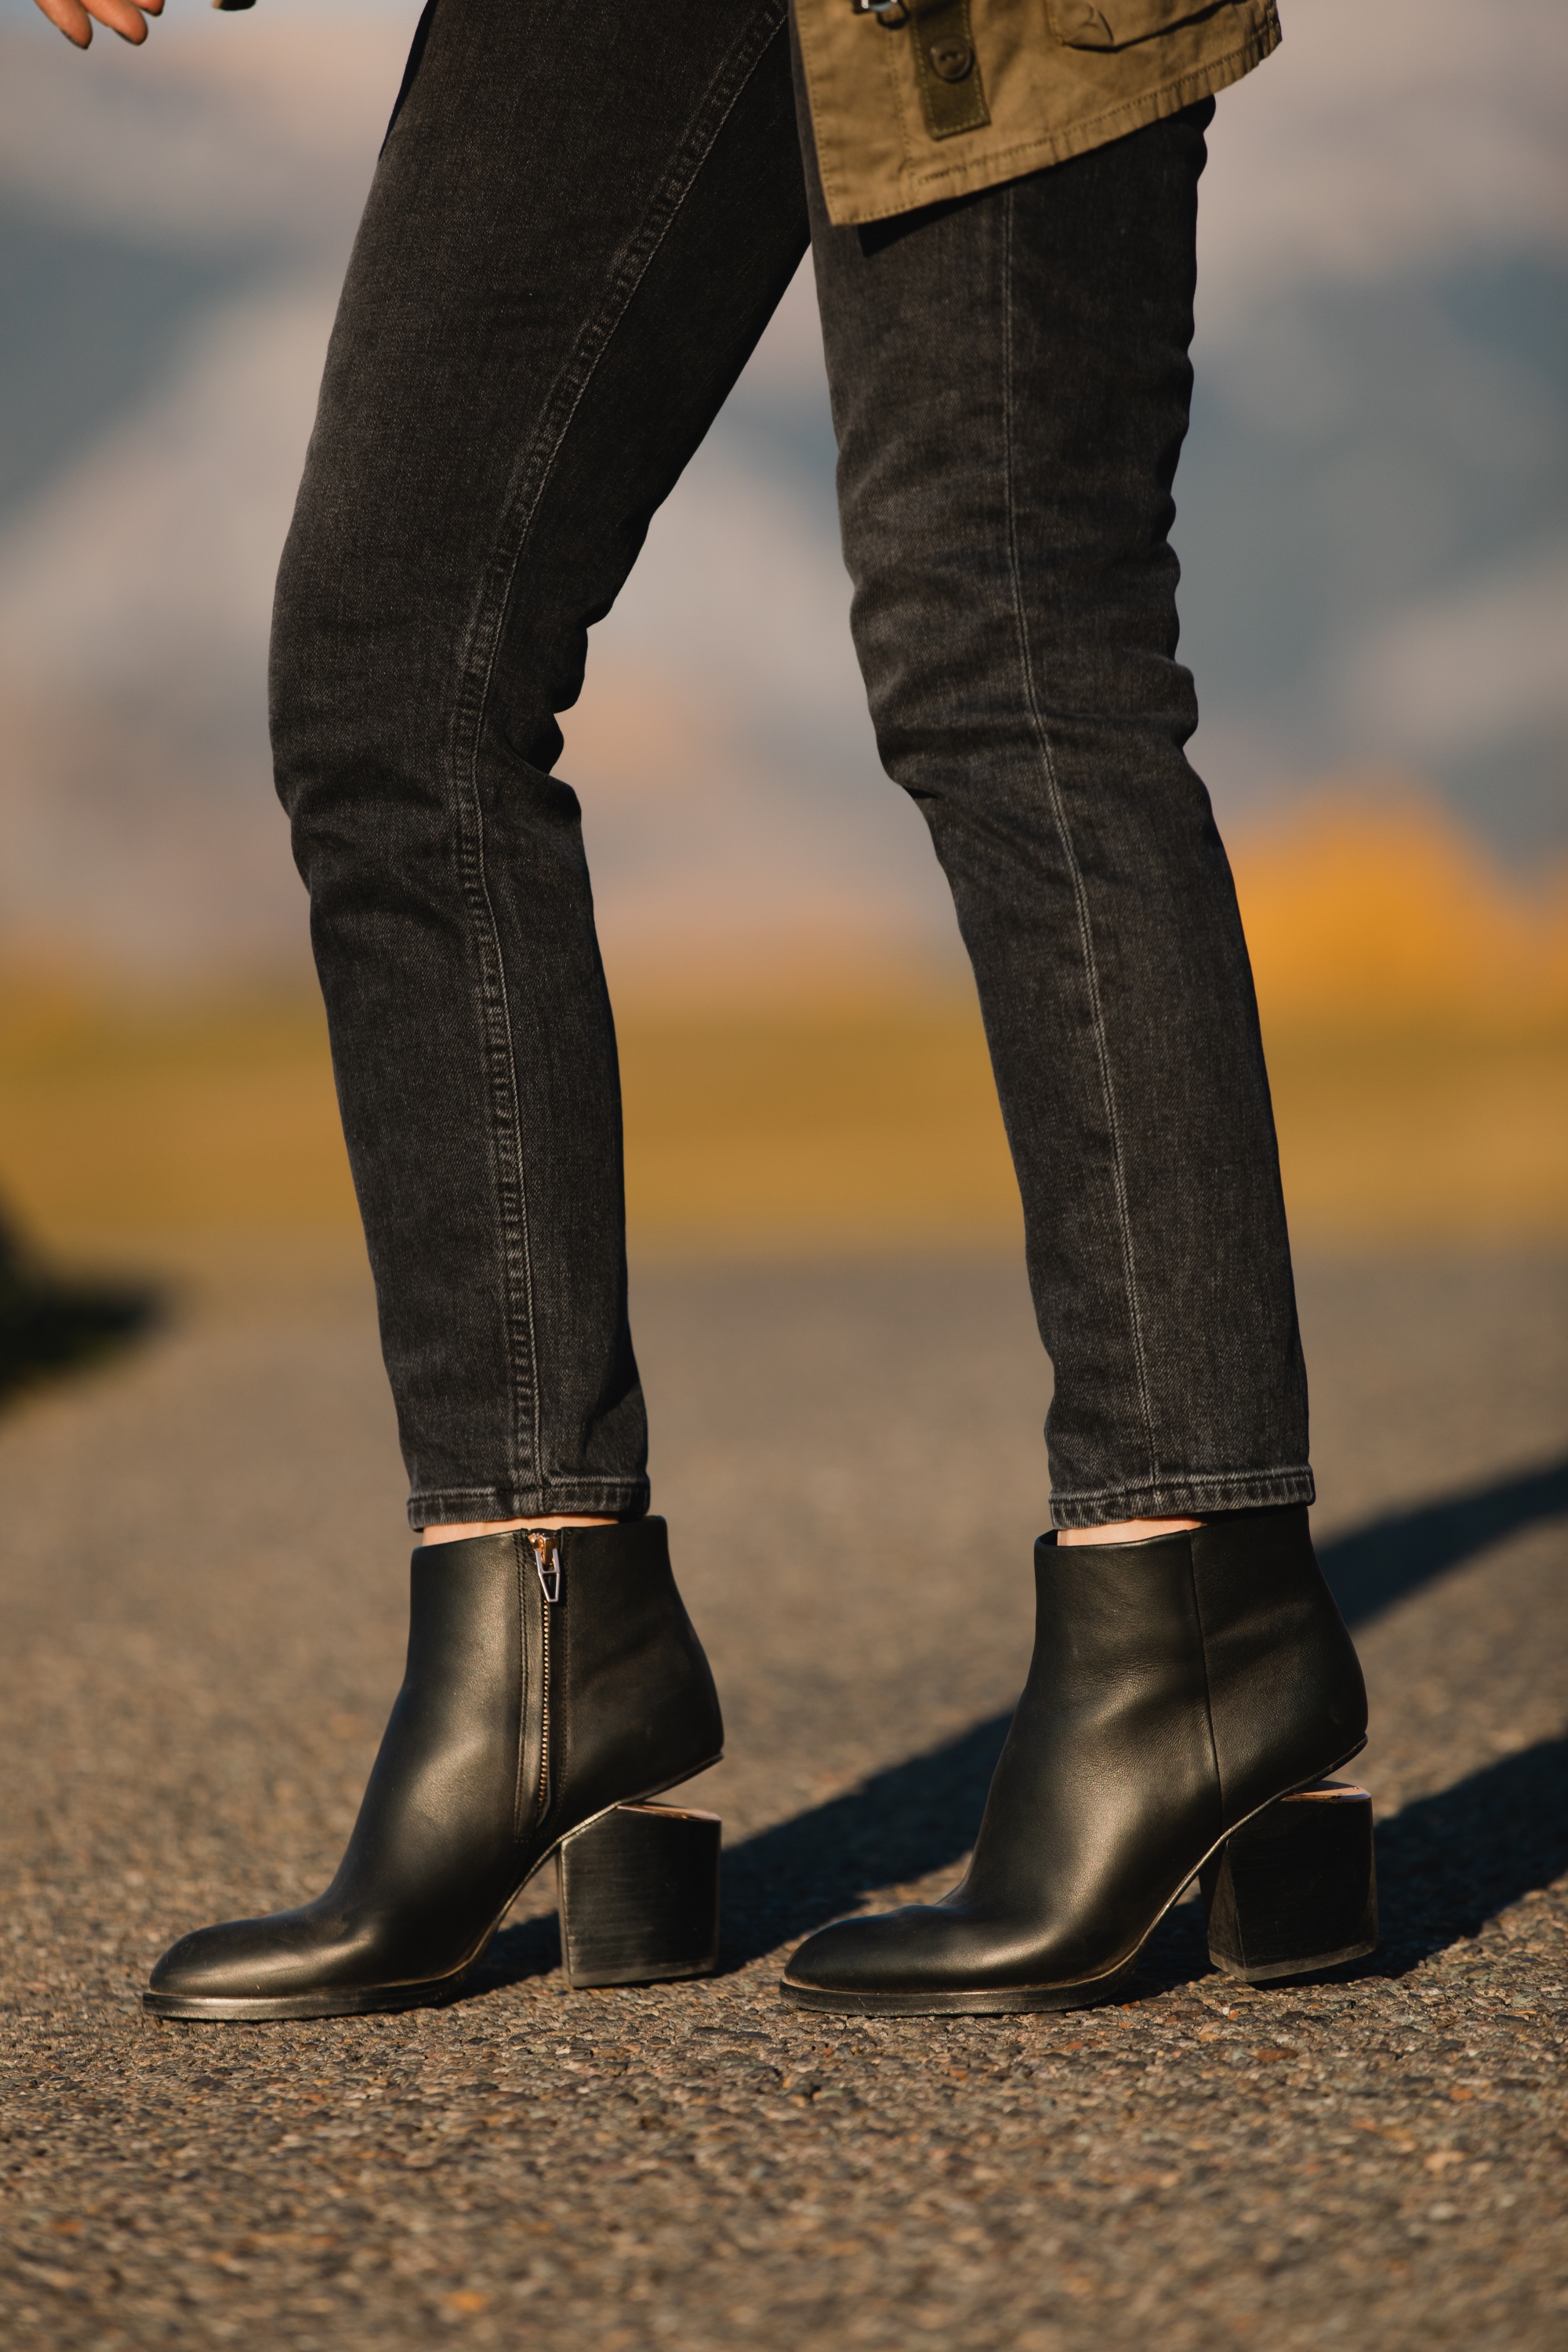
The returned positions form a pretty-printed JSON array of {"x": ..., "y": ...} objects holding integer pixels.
[
  {"x": 257, "y": 1965},
  {"x": 890, "y": 1952},
  {"x": 927, "y": 1957},
  {"x": 239, "y": 1959}
]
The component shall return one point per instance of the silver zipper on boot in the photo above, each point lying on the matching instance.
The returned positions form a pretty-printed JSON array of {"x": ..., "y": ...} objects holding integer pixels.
[{"x": 547, "y": 1567}]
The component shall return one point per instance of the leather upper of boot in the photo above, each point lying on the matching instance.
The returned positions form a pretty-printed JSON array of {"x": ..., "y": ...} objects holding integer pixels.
[
  {"x": 1176, "y": 1684},
  {"x": 482, "y": 1768}
]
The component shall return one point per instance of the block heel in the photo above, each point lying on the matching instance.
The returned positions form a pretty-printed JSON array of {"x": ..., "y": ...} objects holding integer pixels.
[
  {"x": 1294, "y": 1889},
  {"x": 639, "y": 1897}
]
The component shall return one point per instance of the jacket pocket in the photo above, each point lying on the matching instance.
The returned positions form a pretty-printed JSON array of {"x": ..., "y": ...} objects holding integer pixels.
[{"x": 1117, "y": 24}]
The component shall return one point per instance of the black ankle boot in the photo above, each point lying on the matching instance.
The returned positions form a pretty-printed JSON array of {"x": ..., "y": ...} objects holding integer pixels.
[
  {"x": 550, "y": 1678},
  {"x": 1178, "y": 1689}
]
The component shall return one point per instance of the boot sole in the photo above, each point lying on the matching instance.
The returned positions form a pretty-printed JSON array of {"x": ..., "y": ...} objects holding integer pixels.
[
  {"x": 376, "y": 2001},
  {"x": 380, "y": 2001},
  {"x": 1088, "y": 1993},
  {"x": 1006, "y": 2002},
  {"x": 1282, "y": 1971}
]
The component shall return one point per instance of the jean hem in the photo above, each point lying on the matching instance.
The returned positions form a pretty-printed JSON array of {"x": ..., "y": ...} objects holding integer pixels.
[
  {"x": 608, "y": 1499},
  {"x": 1208, "y": 1496}
]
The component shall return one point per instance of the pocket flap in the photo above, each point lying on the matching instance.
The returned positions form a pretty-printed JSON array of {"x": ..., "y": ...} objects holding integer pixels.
[{"x": 1117, "y": 23}]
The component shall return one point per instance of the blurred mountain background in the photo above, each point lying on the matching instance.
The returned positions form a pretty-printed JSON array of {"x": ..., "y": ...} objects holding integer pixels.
[{"x": 1373, "y": 532}]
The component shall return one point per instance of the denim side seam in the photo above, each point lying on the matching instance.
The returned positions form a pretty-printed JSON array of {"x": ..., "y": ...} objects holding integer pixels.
[
  {"x": 1075, "y": 872},
  {"x": 476, "y": 670}
]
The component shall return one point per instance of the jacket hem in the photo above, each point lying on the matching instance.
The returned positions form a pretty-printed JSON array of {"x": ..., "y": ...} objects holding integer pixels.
[{"x": 963, "y": 179}]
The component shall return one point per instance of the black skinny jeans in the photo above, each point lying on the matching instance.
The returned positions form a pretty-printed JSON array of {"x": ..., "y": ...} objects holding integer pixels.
[{"x": 584, "y": 214}]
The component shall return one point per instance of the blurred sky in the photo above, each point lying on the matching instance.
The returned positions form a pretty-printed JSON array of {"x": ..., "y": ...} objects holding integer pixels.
[{"x": 1372, "y": 505}]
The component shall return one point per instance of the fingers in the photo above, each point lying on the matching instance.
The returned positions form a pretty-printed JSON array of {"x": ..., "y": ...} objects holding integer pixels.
[
  {"x": 72, "y": 19},
  {"x": 126, "y": 17}
]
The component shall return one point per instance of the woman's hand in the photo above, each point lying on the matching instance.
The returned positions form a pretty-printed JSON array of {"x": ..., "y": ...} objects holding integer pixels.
[{"x": 126, "y": 17}]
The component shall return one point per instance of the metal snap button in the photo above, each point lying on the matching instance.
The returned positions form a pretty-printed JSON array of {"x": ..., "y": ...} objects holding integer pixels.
[{"x": 951, "y": 59}]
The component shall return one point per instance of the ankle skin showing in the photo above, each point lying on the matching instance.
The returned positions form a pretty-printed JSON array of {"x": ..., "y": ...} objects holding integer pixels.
[
  {"x": 1115, "y": 1531},
  {"x": 1124, "y": 1531},
  {"x": 457, "y": 1530}
]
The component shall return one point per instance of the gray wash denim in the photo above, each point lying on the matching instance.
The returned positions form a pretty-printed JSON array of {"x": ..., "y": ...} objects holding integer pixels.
[{"x": 582, "y": 218}]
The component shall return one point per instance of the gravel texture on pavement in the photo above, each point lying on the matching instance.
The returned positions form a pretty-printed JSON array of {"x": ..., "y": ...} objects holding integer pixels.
[{"x": 202, "y": 1596}]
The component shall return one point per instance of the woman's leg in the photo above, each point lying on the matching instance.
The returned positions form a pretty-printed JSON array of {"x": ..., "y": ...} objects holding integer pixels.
[
  {"x": 584, "y": 217},
  {"x": 1010, "y": 385}
]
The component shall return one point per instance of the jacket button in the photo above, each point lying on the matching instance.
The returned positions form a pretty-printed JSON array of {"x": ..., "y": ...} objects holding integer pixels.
[{"x": 951, "y": 59}]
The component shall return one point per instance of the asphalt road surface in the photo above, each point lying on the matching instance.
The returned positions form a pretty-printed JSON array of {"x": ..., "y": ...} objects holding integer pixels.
[{"x": 202, "y": 1596}]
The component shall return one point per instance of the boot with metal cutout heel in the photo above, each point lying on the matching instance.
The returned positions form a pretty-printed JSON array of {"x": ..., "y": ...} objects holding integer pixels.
[
  {"x": 554, "y": 1684},
  {"x": 1179, "y": 1689}
]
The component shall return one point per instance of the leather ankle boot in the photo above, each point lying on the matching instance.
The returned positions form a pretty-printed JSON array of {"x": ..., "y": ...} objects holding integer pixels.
[
  {"x": 1179, "y": 1688},
  {"x": 554, "y": 1679}
]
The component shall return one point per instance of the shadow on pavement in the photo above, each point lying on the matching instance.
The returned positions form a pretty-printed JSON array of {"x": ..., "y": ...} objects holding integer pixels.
[
  {"x": 50, "y": 1324},
  {"x": 1449, "y": 1862},
  {"x": 902, "y": 1822},
  {"x": 912, "y": 1818},
  {"x": 531, "y": 1948},
  {"x": 1446, "y": 1865},
  {"x": 1377, "y": 1565}
]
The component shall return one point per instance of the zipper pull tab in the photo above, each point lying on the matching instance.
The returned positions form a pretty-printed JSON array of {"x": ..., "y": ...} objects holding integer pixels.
[{"x": 546, "y": 1562}]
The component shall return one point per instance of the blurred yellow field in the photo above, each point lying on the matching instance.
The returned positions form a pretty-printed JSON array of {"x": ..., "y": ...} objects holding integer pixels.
[{"x": 1416, "y": 1013}]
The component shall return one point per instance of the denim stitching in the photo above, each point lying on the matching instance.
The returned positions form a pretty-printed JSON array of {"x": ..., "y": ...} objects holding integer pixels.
[
  {"x": 476, "y": 668},
  {"x": 1281, "y": 1470},
  {"x": 612, "y": 1498},
  {"x": 1180, "y": 1498},
  {"x": 577, "y": 1492},
  {"x": 1059, "y": 813}
]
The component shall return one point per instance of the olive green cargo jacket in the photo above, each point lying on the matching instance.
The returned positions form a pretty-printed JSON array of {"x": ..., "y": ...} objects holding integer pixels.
[{"x": 927, "y": 98}]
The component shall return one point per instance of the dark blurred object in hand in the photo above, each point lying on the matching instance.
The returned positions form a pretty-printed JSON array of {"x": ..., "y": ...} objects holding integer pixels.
[{"x": 51, "y": 1323}]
